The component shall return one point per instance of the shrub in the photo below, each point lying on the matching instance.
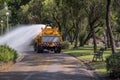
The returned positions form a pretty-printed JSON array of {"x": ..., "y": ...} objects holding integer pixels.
[
  {"x": 7, "y": 53},
  {"x": 113, "y": 64},
  {"x": 65, "y": 45}
]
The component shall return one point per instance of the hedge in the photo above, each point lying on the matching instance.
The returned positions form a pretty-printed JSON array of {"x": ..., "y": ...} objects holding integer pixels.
[
  {"x": 7, "y": 53},
  {"x": 113, "y": 64}
]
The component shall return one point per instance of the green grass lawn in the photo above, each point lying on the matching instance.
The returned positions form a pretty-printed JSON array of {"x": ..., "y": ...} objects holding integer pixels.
[{"x": 86, "y": 54}]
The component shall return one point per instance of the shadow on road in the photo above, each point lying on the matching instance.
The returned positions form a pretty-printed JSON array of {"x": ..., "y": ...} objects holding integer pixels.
[
  {"x": 47, "y": 66},
  {"x": 36, "y": 75}
]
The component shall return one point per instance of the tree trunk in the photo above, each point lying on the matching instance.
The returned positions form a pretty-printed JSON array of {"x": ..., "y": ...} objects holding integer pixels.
[
  {"x": 57, "y": 21},
  {"x": 89, "y": 35},
  {"x": 108, "y": 39},
  {"x": 76, "y": 35},
  {"x": 109, "y": 30},
  {"x": 105, "y": 40},
  {"x": 94, "y": 37},
  {"x": 94, "y": 41},
  {"x": 71, "y": 38},
  {"x": 76, "y": 41},
  {"x": 81, "y": 43}
]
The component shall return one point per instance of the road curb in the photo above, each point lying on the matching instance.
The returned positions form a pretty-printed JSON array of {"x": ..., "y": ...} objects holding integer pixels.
[
  {"x": 5, "y": 66},
  {"x": 19, "y": 58}
]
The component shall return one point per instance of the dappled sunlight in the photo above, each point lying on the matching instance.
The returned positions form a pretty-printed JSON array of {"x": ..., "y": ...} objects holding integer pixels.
[
  {"x": 43, "y": 75},
  {"x": 48, "y": 67},
  {"x": 86, "y": 54}
]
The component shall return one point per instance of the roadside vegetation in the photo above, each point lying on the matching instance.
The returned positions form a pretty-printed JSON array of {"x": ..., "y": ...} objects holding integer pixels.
[
  {"x": 113, "y": 65},
  {"x": 86, "y": 53},
  {"x": 7, "y": 54}
]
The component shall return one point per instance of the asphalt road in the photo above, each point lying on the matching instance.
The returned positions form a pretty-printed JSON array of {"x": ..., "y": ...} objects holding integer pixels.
[{"x": 48, "y": 66}]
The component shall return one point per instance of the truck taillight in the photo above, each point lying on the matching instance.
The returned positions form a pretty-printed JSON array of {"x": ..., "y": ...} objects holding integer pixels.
[
  {"x": 57, "y": 44},
  {"x": 43, "y": 44},
  {"x": 50, "y": 44}
]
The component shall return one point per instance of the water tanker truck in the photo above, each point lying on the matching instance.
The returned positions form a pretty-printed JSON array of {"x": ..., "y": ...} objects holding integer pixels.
[{"x": 49, "y": 38}]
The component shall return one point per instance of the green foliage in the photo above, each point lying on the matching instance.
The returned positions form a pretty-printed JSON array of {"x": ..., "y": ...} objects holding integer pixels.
[
  {"x": 7, "y": 53},
  {"x": 14, "y": 6},
  {"x": 65, "y": 45},
  {"x": 113, "y": 64}
]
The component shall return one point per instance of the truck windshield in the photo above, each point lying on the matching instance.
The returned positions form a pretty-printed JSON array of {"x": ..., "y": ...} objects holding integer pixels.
[{"x": 50, "y": 38}]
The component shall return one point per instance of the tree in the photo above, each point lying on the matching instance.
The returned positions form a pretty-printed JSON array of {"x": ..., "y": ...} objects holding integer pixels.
[
  {"x": 76, "y": 15},
  {"x": 94, "y": 13},
  {"x": 14, "y": 6},
  {"x": 109, "y": 30}
]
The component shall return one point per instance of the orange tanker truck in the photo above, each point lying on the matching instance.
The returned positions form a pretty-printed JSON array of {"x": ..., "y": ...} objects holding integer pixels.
[{"x": 49, "y": 38}]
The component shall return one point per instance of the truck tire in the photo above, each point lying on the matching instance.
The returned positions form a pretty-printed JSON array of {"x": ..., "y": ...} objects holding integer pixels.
[
  {"x": 40, "y": 49},
  {"x": 37, "y": 49},
  {"x": 57, "y": 50},
  {"x": 35, "y": 46}
]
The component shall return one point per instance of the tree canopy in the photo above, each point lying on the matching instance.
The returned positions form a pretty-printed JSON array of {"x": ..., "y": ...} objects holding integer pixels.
[{"x": 78, "y": 20}]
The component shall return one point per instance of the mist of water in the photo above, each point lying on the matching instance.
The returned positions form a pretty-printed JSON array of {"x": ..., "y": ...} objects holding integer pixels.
[{"x": 21, "y": 37}]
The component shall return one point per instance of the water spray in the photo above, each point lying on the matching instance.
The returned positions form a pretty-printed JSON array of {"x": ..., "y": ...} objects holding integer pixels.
[{"x": 21, "y": 37}]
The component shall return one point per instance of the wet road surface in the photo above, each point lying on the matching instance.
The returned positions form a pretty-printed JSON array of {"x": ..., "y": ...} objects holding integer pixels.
[{"x": 48, "y": 66}]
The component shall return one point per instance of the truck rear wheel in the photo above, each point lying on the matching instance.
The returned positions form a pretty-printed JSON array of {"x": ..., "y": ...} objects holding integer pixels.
[
  {"x": 35, "y": 46},
  {"x": 39, "y": 49},
  {"x": 57, "y": 50}
]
